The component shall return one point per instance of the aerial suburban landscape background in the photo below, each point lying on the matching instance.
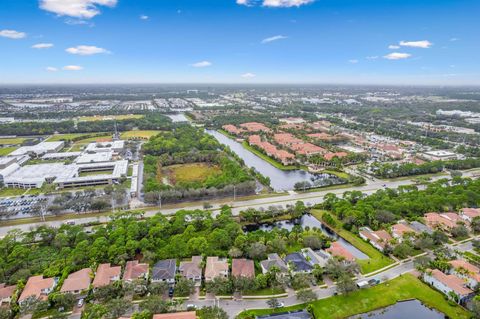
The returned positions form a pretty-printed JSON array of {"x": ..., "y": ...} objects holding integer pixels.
[{"x": 302, "y": 159}]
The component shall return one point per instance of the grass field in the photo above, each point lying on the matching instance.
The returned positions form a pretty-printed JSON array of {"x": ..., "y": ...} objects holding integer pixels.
[
  {"x": 376, "y": 260},
  {"x": 402, "y": 288},
  {"x": 109, "y": 117},
  {"x": 7, "y": 150},
  {"x": 337, "y": 173},
  {"x": 139, "y": 134},
  {"x": 194, "y": 172},
  {"x": 12, "y": 141},
  {"x": 7, "y": 192},
  {"x": 108, "y": 172},
  {"x": 65, "y": 137}
]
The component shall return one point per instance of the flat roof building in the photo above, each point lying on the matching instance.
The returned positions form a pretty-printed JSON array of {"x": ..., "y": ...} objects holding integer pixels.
[{"x": 39, "y": 149}]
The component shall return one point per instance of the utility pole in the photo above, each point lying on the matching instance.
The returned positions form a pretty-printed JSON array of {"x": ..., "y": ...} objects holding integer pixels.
[
  {"x": 234, "y": 192},
  {"x": 160, "y": 200}
]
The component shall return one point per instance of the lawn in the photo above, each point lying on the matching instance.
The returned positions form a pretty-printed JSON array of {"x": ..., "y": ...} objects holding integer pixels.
[
  {"x": 107, "y": 172},
  {"x": 12, "y": 141},
  {"x": 139, "y": 134},
  {"x": 337, "y": 173},
  {"x": 194, "y": 172},
  {"x": 7, "y": 192},
  {"x": 402, "y": 288},
  {"x": 65, "y": 137},
  {"x": 7, "y": 150},
  {"x": 376, "y": 259},
  {"x": 109, "y": 117},
  {"x": 269, "y": 159}
]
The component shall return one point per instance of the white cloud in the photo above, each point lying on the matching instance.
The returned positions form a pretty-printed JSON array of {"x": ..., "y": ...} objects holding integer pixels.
[
  {"x": 248, "y": 75},
  {"x": 397, "y": 56},
  {"x": 12, "y": 34},
  {"x": 84, "y": 9},
  {"x": 243, "y": 2},
  {"x": 144, "y": 17},
  {"x": 454, "y": 39},
  {"x": 424, "y": 44},
  {"x": 393, "y": 47},
  {"x": 86, "y": 50},
  {"x": 372, "y": 57},
  {"x": 353, "y": 61},
  {"x": 51, "y": 69},
  {"x": 285, "y": 3},
  {"x": 274, "y": 38},
  {"x": 72, "y": 68},
  {"x": 202, "y": 64},
  {"x": 42, "y": 46}
]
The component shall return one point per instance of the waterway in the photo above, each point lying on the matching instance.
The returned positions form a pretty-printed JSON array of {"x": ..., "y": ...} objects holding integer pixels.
[
  {"x": 280, "y": 180},
  {"x": 312, "y": 222},
  {"x": 403, "y": 310}
]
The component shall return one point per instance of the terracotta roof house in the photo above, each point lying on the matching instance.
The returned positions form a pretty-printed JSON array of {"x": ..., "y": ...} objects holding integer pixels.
[
  {"x": 468, "y": 214},
  {"x": 135, "y": 270},
  {"x": 444, "y": 221},
  {"x": 336, "y": 249},
  {"x": 243, "y": 268},
  {"x": 330, "y": 156},
  {"x": 215, "y": 267},
  {"x": 298, "y": 263},
  {"x": 255, "y": 127},
  {"x": 399, "y": 231},
  {"x": 448, "y": 284},
  {"x": 192, "y": 269},
  {"x": 106, "y": 274},
  {"x": 165, "y": 270},
  {"x": 77, "y": 282},
  {"x": 307, "y": 149},
  {"x": 271, "y": 261},
  {"x": 379, "y": 239},
  {"x": 38, "y": 287},
  {"x": 6, "y": 293},
  {"x": 232, "y": 129},
  {"x": 466, "y": 270}
]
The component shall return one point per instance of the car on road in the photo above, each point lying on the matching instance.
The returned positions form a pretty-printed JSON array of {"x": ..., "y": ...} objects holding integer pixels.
[
  {"x": 191, "y": 307},
  {"x": 170, "y": 292},
  {"x": 80, "y": 303}
]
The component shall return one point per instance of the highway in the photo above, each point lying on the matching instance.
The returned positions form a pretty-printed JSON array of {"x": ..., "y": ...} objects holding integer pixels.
[{"x": 312, "y": 198}]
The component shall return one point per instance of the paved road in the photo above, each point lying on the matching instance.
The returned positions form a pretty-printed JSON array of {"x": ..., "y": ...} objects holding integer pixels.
[{"x": 237, "y": 206}]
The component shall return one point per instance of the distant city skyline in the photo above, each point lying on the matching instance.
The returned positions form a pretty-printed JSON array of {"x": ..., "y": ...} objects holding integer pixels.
[{"x": 399, "y": 42}]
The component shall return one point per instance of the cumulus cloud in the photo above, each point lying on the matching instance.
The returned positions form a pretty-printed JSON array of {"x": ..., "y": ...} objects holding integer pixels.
[
  {"x": 86, "y": 50},
  {"x": 248, "y": 75},
  {"x": 393, "y": 47},
  {"x": 84, "y": 9},
  {"x": 202, "y": 64},
  {"x": 51, "y": 69},
  {"x": 275, "y": 3},
  {"x": 42, "y": 46},
  {"x": 144, "y": 17},
  {"x": 12, "y": 34},
  {"x": 397, "y": 56},
  {"x": 424, "y": 44},
  {"x": 353, "y": 61},
  {"x": 72, "y": 68},
  {"x": 274, "y": 38},
  {"x": 285, "y": 3}
]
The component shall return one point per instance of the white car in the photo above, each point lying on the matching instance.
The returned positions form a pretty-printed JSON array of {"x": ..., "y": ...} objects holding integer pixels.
[
  {"x": 80, "y": 303},
  {"x": 191, "y": 306}
]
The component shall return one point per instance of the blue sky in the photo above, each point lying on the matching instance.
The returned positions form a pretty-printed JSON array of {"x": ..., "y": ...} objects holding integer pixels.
[{"x": 240, "y": 41}]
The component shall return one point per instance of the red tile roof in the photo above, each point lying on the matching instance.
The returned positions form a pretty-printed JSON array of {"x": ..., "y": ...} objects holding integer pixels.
[
  {"x": 434, "y": 220},
  {"x": 471, "y": 212},
  {"x": 472, "y": 271},
  {"x": 330, "y": 156},
  {"x": 134, "y": 270},
  {"x": 34, "y": 287},
  {"x": 106, "y": 274},
  {"x": 243, "y": 268},
  {"x": 7, "y": 291},
  {"x": 337, "y": 249},
  {"x": 451, "y": 281},
  {"x": 255, "y": 127},
  {"x": 400, "y": 229},
  {"x": 77, "y": 281}
]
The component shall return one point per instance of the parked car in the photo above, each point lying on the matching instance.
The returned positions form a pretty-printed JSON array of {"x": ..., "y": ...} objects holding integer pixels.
[
  {"x": 170, "y": 292},
  {"x": 80, "y": 303}
]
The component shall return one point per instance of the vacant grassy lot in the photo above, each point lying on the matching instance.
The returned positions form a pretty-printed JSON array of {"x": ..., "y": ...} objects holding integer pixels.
[
  {"x": 6, "y": 150},
  {"x": 109, "y": 117},
  {"x": 376, "y": 260},
  {"x": 138, "y": 134},
  {"x": 65, "y": 137},
  {"x": 194, "y": 172},
  {"x": 402, "y": 288},
  {"x": 7, "y": 192},
  {"x": 12, "y": 141}
]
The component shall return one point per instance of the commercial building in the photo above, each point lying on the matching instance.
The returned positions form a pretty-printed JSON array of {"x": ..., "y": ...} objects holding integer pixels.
[
  {"x": 39, "y": 149},
  {"x": 439, "y": 155},
  {"x": 114, "y": 146}
]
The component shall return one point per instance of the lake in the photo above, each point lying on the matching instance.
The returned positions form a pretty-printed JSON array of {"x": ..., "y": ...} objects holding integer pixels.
[
  {"x": 310, "y": 221},
  {"x": 410, "y": 309},
  {"x": 180, "y": 117},
  {"x": 280, "y": 180}
]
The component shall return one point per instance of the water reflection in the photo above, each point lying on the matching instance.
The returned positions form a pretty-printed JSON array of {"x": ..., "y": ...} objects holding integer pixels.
[
  {"x": 403, "y": 310},
  {"x": 310, "y": 221},
  {"x": 279, "y": 180}
]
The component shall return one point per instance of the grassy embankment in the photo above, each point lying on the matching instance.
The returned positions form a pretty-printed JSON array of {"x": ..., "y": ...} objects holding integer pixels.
[
  {"x": 7, "y": 150},
  {"x": 365, "y": 300},
  {"x": 376, "y": 260},
  {"x": 110, "y": 117}
]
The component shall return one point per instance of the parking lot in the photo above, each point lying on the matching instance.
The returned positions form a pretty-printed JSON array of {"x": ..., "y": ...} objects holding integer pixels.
[{"x": 23, "y": 206}]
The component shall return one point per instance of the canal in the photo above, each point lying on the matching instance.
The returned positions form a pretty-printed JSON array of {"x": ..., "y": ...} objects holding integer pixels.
[
  {"x": 280, "y": 180},
  {"x": 403, "y": 310}
]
